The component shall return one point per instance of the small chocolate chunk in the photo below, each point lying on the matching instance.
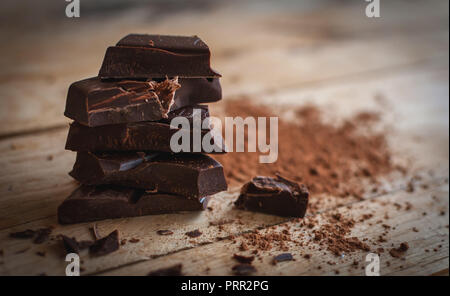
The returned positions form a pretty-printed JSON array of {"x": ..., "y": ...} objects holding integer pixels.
[
  {"x": 194, "y": 233},
  {"x": 243, "y": 259},
  {"x": 105, "y": 245},
  {"x": 283, "y": 257},
  {"x": 42, "y": 235},
  {"x": 164, "y": 232},
  {"x": 170, "y": 271},
  {"x": 276, "y": 196},
  {"x": 70, "y": 244},
  {"x": 243, "y": 269}
]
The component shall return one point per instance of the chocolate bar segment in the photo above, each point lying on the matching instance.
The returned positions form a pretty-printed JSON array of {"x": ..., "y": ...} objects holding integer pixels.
[
  {"x": 190, "y": 175},
  {"x": 276, "y": 196},
  {"x": 140, "y": 136},
  {"x": 145, "y": 56},
  {"x": 91, "y": 203},
  {"x": 93, "y": 102}
]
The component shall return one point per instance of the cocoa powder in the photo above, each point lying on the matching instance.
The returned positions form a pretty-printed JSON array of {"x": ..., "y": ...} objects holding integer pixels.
[{"x": 334, "y": 159}]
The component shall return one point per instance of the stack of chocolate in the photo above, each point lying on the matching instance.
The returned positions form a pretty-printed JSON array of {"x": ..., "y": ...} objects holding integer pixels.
[{"x": 122, "y": 131}]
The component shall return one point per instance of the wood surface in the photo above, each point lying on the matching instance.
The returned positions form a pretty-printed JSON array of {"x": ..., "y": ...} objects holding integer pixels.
[{"x": 284, "y": 54}]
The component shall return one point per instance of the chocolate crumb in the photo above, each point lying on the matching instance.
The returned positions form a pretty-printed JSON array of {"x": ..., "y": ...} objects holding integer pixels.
[
  {"x": 134, "y": 240},
  {"x": 40, "y": 253}
]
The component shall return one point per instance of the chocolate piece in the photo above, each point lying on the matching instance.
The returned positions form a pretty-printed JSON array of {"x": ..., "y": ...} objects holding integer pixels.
[
  {"x": 243, "y": 269},
  {"x": 139, "y": 136},
  {"x": 145, "y": 56},
  {"x": 164, "y": 232},
  {"x": 243, "y": 259},
  {"x": 70, "y": 244},
  {"x": 106, "y": 245},
  {"x": 42, "y": 235},
  {"x": 170, "y": 271},
  {"x": 194, "y": 91},
  {"x": 276, "y": 196},
  {"x": 190, "y": 175},
  {"x": 23, "y": 234},
  {"x": 283, "y": 257},
  {"x": 92, "y": 102},
  {"x": 95, "y": 103},
  {"x": 194, "y": 233},
  {"x": 91, "y": 203}
]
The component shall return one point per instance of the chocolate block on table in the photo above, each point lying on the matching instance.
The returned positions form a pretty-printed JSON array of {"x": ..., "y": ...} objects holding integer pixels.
[
  {"x": 190, "y": 175},
  {"x": 276, "y": 196},
  {"x": 137, "y": 136},
  {"x": 93, "y": 102},
  {"x": 145, "y": 56},
  {"x": 91, "y": 203}
]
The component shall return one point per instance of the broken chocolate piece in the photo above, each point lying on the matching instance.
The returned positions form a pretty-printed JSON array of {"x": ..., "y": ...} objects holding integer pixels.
[
  {"x": 194, "y": 233},
  {"x": 277, "y": 196},
  {"x": 243, "y": 259},
  {"x": 190, "y": 175},
  {"x": 70, "y": 244},
  {"x": 164, "y": 232},
  {"x": 400, "y": 251},
  {"x": 106, "y": 245},
  {"x": 23, "y": 234},
  {"x": 145, "y": 56},
  {"x": 283, "y": 257},
  {"x": 243, "y": 269},
  {"x": 92, "y": 102},
  {"x": 170, "y": 271},
  {"x": 139, "y": 136},
  {"x": 91, "y": 203},
  {"x": 42, "y": 235}
]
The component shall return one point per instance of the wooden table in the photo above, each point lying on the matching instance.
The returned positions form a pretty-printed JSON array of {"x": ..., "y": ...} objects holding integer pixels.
[{"x": 284, "y": 54}]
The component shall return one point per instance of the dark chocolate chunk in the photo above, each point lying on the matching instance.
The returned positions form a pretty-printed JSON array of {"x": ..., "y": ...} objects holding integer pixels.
[
  {"x": 140, "y": 136},
  {"x": 194, "y": 233},
  {"x": 243, "y": 259},
  {"x": 91, "y": 203},
  {"x": 243, "y": 269},
  {"x": 23, "y": 234},
  {"x": 42, "y": 235},
  {"x": 170, "y": 271},
  {"x": 150, "y": 56},
  {"x": 70, "y": 244},
  {"x": 164, "y": 232},
  {"x": 106, "y": 245},
  {"x": 92, "y": 102},
  {"x": 283, "y": 257},
  {"x": 190, "y": 175},
  {"x": 194, "y": 91},
  {"x": 276, "y": 196}
]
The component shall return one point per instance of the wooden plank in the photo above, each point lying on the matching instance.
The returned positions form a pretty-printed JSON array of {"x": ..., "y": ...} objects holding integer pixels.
[
  {"x": 433, "y": 233},
  {"x": 303, "y": 49}
]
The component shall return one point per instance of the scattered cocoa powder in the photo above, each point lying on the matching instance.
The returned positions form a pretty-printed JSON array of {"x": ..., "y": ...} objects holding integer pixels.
[{"x": 327, "y": 158}]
